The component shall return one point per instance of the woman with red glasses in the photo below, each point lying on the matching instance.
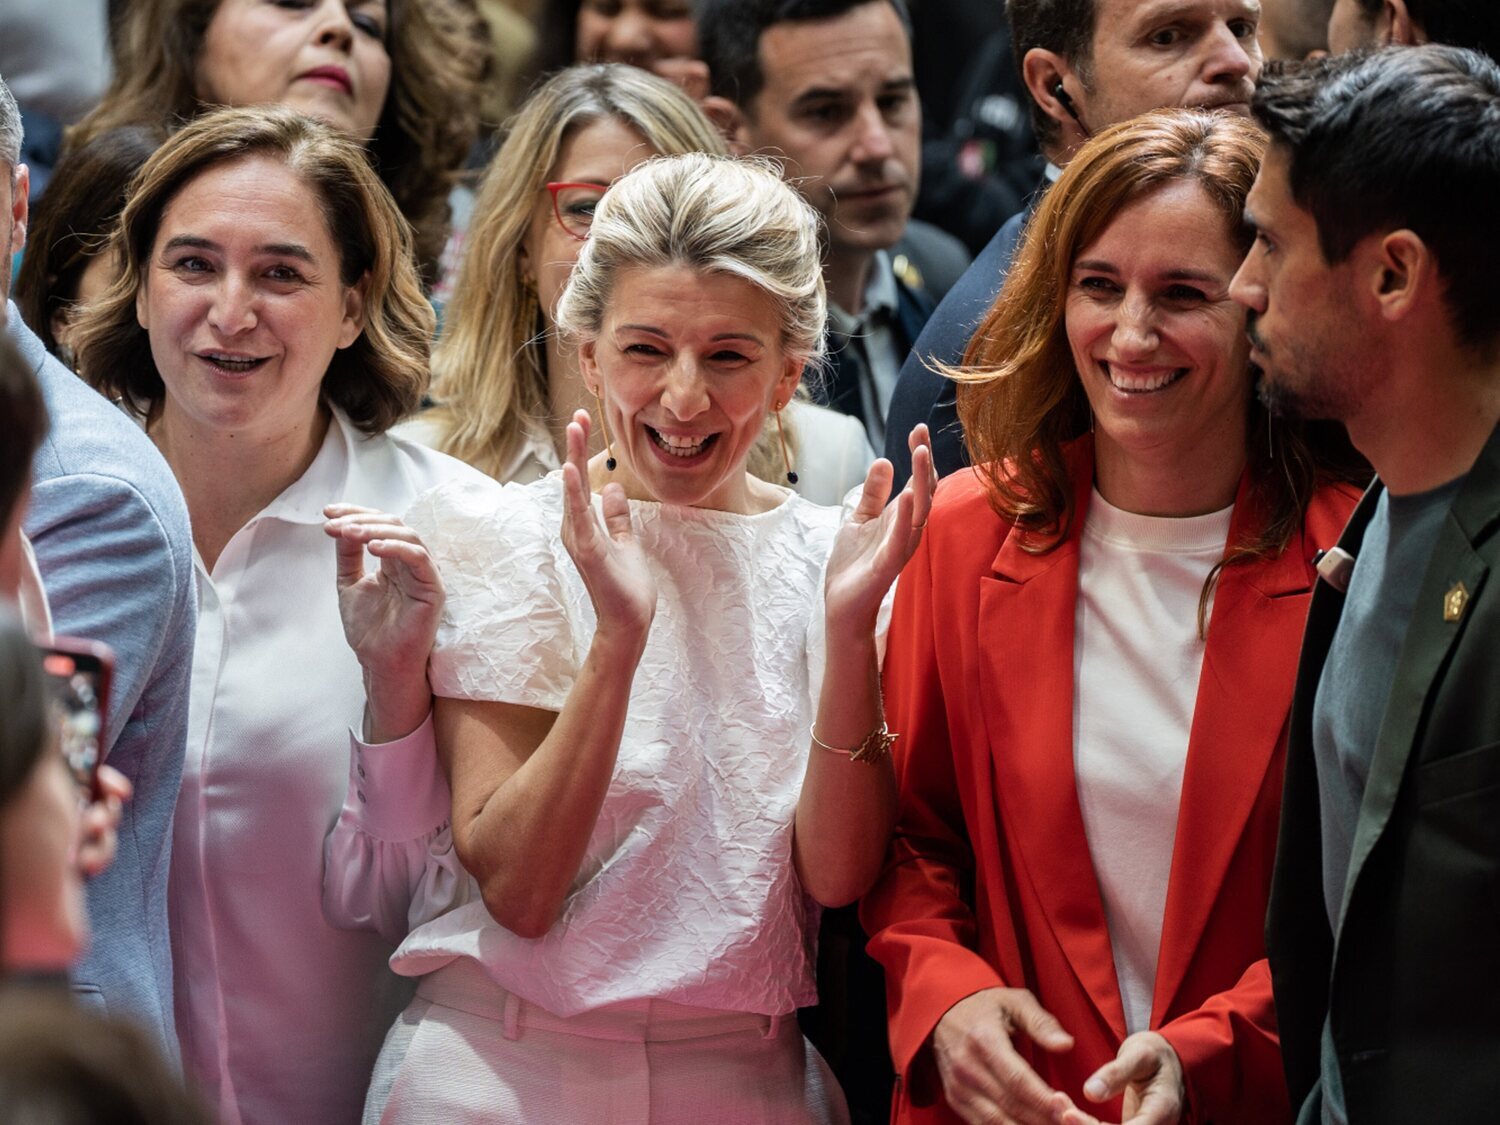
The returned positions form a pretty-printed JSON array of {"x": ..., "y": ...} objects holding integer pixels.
[{"x": 505, "y": 384}]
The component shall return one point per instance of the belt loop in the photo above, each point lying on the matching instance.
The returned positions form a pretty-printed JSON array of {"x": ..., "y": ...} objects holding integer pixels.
[
  {"x": 773, "y": 1025},
  {"x": 512, "y": 1016}
]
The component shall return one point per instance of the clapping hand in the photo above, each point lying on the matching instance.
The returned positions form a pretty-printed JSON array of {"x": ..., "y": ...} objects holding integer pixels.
[
  {"x": 878, "y": 538},
  {"x": 604, "y": 548},
  {"x": 390, "y": 614}
]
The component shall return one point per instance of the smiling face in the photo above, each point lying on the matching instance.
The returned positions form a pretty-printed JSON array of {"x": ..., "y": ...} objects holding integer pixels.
[
  {"x": 688, "y": 364},
  {"x": 1156, "y": 53},
  {"x": 1158, "y": 343},
  {"x": 243, "y": 302},
  {"x": 638, "y": 32},
  {"x": 1313, "y": 353},
  {"x": 324, "y": 58},
  {"x": 598, "y": 153},
  {"x": 839, "y": 103}
]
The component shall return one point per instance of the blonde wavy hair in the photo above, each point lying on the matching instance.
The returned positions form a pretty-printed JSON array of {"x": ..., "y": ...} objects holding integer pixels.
[
  {"x": 489, "y": 368},
  {"x": 379, "y": 378}
]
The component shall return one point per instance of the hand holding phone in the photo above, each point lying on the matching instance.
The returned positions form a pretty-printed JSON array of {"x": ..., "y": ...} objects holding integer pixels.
[{"x": 80, "y": 672}]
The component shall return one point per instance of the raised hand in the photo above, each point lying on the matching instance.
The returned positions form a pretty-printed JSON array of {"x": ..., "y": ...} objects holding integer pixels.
[
  {"x": 604, "y": 549},
  {"x": 985, "y": 1079},
  {"x": 878, "y": 538},
  {"x": 390, "y": 614}
]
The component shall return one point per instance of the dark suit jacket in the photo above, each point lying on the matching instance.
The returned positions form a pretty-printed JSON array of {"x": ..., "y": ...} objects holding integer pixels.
[
  {"x": 846, "y": 368},
  {"x": 1412, "y": 978},
  {"x": 922, "y": 395}
]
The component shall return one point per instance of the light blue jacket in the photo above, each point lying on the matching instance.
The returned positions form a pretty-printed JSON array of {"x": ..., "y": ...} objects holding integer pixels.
[{"x": 110, "y": 530}]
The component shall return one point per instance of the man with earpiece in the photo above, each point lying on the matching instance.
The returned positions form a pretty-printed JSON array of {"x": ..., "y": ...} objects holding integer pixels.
[{"x": 1087, "y": 64}]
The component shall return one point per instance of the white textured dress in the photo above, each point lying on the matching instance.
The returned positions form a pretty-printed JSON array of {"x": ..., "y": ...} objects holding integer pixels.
[{"x": 687, "y": 892}]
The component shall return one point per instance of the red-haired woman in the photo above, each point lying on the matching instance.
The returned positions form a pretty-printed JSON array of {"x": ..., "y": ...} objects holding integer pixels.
[{"x": 1091, "y": 667}]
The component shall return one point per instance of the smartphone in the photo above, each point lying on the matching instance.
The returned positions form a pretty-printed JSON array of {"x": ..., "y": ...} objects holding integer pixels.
[{"x": 80, "y": 672}]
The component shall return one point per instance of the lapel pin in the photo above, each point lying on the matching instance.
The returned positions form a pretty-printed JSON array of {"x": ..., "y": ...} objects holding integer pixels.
[
  {"x": 1335, "y": 566},
  {"x": 1454, "y": 602}
]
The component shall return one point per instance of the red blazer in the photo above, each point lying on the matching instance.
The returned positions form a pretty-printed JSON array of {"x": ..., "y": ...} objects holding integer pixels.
[{"x": 989, "y": 881}]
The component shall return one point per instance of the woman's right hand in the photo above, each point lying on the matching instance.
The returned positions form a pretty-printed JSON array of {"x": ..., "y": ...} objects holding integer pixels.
[
  {"x": 605, "y": 551},
  {"x": 984, "y": 1077}
]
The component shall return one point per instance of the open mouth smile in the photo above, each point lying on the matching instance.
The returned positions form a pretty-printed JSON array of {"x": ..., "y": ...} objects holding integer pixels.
[
  {"x": 232, "y": 364},
  {"x": 1141, "y": 382},
  {"x": 681, "y": 447}
]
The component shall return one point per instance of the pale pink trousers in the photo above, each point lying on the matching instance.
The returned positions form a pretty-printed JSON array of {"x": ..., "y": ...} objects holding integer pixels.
[{"x": 466, "y": 1051}]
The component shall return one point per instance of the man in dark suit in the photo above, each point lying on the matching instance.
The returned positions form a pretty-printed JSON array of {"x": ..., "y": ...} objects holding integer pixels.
[
  {"x": 1087, "y": 64},
  {"x": 1370, "y": 299},
  {"x": 827, "y": 87}
]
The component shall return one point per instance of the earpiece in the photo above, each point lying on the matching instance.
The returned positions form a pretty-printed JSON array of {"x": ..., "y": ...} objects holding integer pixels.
[{"x": 1061, "y": 94}]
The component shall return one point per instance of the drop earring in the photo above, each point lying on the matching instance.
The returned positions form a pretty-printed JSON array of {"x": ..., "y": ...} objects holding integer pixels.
[
  {"x": 609, "y": 448},
  {"x": 791, "y": 474}
]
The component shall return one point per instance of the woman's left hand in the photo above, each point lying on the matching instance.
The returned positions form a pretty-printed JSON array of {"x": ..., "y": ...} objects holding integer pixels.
[
  {"x": 1149, "y": 1073},
  {"x": 390, "y": 614},
  {"x": 878, "y": 538}
]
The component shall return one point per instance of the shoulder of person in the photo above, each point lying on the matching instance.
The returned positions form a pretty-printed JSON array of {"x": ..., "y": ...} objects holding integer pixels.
[
  {"x": 96, "y": 459},
  {"x": 392, "y": 470}
]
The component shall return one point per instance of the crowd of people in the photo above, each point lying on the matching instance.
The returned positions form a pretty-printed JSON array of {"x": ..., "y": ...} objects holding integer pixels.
[{"x": 462, "y": 658}]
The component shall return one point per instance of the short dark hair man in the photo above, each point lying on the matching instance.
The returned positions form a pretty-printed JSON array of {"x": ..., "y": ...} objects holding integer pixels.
[
  {"x": 1382, "y": 23},
  {"x": 1370, "y": 303},
  {"x": 1087, "y": 64},
  {"x": 110, "y": 531},
  {"x": 827, "y": 85}
]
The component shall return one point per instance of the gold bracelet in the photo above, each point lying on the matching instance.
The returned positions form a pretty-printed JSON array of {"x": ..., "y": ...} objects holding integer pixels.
[{"x": 873, "y": 749}]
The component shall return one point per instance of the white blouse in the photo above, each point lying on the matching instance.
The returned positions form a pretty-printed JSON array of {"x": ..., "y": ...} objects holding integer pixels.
[
  {"x": 281, "y": 1016},
  {"x": 687, "y": 891}
]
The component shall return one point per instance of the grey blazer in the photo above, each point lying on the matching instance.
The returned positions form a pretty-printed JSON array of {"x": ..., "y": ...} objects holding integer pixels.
[{"x": 110, "y": 530}]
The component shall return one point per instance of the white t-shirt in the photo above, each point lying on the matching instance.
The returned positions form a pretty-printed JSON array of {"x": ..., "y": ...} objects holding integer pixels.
[
  {"x": 686, "y": 891},
  {"x": 1136, "y": 663},
  {"x": 280, "y": 1016}
]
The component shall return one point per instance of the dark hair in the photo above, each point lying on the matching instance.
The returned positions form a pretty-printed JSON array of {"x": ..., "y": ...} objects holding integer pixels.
[
  {"x": 439, "y": 53},
  {"x": 379, "y": 378},
  {"x": 64, "y": 1065},
  {"x": 23, "y": 425},
  {"x": 1455, "y": 23},
  {"x": 26, "y": 726},
  {"x": 729, "y": 33},
  {"x": 1064, "y": 27},
  {"x": 70, "y": 223},
  {"x": 1407, "y": 137}
]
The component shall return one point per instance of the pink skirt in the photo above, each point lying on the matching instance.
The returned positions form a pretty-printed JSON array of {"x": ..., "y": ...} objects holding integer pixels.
[{"x": 467, "y": 1051}]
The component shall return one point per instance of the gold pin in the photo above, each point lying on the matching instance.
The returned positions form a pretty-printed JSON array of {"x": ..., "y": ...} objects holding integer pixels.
[{"x": 1454, "y": 603}]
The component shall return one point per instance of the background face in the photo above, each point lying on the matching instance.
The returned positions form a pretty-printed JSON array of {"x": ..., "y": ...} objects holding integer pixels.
[
  {"x": 638, "y": 32},
  {"x": 1157, "y": 53},
  {"x": 1350, "y": 27},
  {"x": 840, "y": 105},
  {"x": 325, "y": 58},
  {"x": 600, "y": 152}
]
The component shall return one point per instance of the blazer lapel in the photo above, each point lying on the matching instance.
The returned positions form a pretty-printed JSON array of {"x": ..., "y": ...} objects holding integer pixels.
[
  {"x": 1239, "y": 720},
  {"x": 1429, "y": 637},
  {"x": 1027, "y": 619}
]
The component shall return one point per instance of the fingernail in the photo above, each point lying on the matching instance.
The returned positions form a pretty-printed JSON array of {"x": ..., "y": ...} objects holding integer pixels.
[{"x": 1095, "y": 1089}]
